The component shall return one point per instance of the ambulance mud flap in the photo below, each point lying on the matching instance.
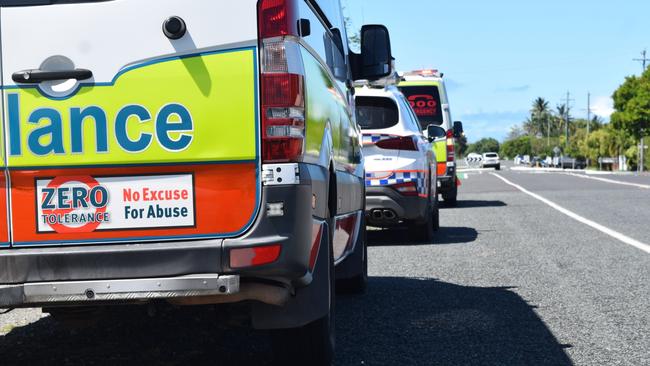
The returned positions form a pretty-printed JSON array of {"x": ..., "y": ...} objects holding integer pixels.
[{"x": 306, "y": 305}]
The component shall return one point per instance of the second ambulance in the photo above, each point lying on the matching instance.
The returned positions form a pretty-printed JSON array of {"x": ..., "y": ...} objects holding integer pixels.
[{"x": 426, "y": 92}]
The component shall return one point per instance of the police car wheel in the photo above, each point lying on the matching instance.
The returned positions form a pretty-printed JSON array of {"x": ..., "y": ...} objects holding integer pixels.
[
  {"x": 436, "y": 216},
  {"x": 423, "y": 232}
]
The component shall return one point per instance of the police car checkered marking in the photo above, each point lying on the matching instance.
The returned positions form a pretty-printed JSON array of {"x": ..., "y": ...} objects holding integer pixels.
[{"x": 397, "y": 178}]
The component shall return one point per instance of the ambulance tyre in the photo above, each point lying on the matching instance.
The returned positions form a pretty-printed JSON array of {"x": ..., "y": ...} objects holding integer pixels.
[
  {"x": 450, "y": 196},
  {"x": 313, "y": 343}
]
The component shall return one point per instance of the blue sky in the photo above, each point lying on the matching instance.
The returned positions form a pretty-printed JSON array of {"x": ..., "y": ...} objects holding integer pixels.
[{"x": 499, "y": 55}]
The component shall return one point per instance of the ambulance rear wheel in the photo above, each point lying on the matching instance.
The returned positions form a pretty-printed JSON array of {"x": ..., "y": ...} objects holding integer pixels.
[{"x": 450, "y": 196}]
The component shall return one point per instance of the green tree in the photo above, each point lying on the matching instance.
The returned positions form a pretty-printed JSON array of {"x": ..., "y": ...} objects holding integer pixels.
[
  {"x": 559, "y": 120},
  {"x": 540, "y": 117},
  {"x": 632, "y": 105},
  {"x": 519, "y": 146},
  {"x": 608, "y": 142},
  {"x": 483, "y": 146}
]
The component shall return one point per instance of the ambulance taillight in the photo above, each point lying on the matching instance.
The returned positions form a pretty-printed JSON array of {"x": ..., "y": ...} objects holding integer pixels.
[
  {"x": 450, "y": 146},
  {"x": 282, "y": 79}
]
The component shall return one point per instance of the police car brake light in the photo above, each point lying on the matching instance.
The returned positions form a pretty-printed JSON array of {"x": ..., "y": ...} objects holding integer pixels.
[{"x": 407, "y": 143}]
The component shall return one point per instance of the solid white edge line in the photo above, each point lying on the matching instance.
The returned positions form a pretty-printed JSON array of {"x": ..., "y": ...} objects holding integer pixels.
[
  {"x": 614, "y": 234},
  {"x": 644, "y": 186}
]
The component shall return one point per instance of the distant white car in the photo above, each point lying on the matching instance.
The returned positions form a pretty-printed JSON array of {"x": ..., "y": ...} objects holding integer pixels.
[{"x": 491, "y": 160}]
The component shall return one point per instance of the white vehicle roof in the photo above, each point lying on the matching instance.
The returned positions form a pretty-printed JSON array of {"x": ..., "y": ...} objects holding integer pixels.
[{"x": 407, "y": 123}]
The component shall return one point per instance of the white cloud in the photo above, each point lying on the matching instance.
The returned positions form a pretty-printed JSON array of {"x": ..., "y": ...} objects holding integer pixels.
[{"x": 602, "y": 106}]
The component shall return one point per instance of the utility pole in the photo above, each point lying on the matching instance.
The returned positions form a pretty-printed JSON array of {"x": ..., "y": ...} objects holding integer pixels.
[
  {"x": 568, "y": 100},
  {"x": 548, "y": 131},
  {"x": 588, "y": 114},
  {"x": 641, "y": 155},
  {"x": 643, "y": 59}
]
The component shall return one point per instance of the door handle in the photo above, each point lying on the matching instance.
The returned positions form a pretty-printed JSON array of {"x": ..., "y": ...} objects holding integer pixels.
[{"x": 39, "y": 76}]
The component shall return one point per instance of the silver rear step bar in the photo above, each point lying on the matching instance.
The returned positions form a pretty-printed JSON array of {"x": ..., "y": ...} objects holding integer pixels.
[{"x": 124, "y": 289}]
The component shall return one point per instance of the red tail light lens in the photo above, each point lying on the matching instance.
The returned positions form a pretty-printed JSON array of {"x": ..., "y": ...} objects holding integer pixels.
[
  {"x": 399, "y": 143},
  {"x": 278, "y": 18},
  {"x": 283, "y": 119},
  {"x": 406, "y": 189},
  {"x": 256, "y": 256},
  {"x": 450, "y": 145},
  {"x": 282, "y": 90}
]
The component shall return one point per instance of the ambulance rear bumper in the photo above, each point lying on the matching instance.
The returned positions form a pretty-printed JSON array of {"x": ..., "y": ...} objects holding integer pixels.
[{"x": 22, "y": 268}]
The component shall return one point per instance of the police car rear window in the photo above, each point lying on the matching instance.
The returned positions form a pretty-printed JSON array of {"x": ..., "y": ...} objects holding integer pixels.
[
  {"x": 425, "y": 101},
  {"x": 376, "y": 113},
  {"x": 45, "y": 2}
]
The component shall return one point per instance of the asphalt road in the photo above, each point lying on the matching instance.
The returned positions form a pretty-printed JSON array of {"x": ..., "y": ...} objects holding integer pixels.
[{"x": 509, "y": 280}]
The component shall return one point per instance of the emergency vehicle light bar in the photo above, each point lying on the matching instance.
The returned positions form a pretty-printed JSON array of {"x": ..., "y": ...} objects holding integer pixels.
[{"x": 424, "y": 73}]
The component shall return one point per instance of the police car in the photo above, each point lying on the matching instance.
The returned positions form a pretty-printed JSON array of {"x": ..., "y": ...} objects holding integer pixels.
[
  {"x": 425, "y": 90},
  {"x": 192, "y": 152},
  {"x": 400, "y": 164}
]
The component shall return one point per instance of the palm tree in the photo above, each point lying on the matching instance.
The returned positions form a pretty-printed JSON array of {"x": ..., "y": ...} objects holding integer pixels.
[
  {"x": 562, "y": 112},
  {"x": 540, "y": 106},
  {"x": 540, "y": 117}
]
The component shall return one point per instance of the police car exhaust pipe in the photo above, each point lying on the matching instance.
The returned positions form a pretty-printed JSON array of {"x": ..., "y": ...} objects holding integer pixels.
[
  {"x": 389, "y": 214},
  {"x": 377, "y": 215},
  {"x": 268, "y": 294}
]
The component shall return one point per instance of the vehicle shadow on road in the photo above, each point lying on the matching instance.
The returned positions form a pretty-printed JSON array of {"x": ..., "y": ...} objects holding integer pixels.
[
  {"x": 475, "y": 204},
  {"x": 180, "y": 336},
  {"x": 400, "y": 321},
  {"x": 406, "y": 321},
  {"x": 399, "y": 236}
]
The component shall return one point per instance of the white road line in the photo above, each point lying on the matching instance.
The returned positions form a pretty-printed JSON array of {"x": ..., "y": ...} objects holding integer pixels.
[
  {"x": 644, "y": 186},
  {"x": 614, "y": 234}
]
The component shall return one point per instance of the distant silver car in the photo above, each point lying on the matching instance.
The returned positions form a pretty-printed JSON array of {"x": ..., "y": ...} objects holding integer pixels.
[{"x": 491, "y": 160}]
